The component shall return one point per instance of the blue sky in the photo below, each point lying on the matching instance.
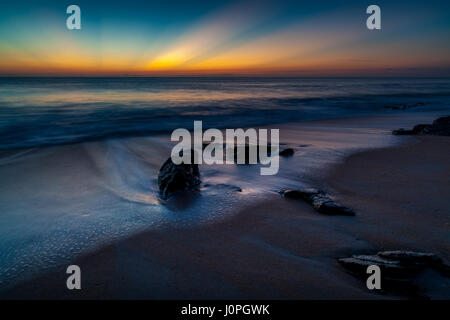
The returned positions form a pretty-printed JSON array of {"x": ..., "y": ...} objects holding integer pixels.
[{"x": 202, "y": 37}]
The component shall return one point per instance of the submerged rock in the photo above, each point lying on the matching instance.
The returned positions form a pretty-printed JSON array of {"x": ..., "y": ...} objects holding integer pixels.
[
  {"x": 325, "y": 205},
  {"x": 319, "y": 200},
  {"x": 288, "y": 152},
  {"x": 303, "y": 194},
  {"x": 405, "y": 106},
  {"x": 223, "y": 186},
  {"x": 439, "y": 127},
  {"x": 358, "y": 264},
  {"x": 173, "y": 178},
  {"x": 402, "y": 132}
]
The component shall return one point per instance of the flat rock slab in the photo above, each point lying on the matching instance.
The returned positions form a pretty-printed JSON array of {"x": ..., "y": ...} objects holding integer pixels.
[
  {"x": 320, "y": 201},
  {"x": 408, "y": 257},
  {"x": 398, "y": 268},
  {"x": 358, "y": 264}
]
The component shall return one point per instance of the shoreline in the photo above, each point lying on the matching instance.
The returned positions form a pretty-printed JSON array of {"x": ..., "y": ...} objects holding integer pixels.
[
  {"x": 278, "y": 248},
  {"x": 386, "y": 114}
]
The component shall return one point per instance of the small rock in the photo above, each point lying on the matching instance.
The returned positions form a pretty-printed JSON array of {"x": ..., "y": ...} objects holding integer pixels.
[
  {"x": 421, "y": 128},
  {"x": 304, "y": 194},
  {"x": 288, "y": 152},
  {"x": 319, "y": 200},
  {"x": 325, "y": 205},
  {"x": 405, "y": 106},
  {"x": 402, "y": 132}
]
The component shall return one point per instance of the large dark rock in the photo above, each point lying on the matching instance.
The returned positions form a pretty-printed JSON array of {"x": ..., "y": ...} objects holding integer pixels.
[
  {"x": 439, "y": 127},
  {"x": 173, "y": 178},
  {"x": 320, "y": 201}
]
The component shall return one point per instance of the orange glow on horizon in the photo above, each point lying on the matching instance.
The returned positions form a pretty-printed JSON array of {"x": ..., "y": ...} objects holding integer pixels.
[{"x": 228, "y": 40}]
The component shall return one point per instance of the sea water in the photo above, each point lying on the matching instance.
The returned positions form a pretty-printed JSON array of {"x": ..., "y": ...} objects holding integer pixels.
[{"x": 79, "y": 157}]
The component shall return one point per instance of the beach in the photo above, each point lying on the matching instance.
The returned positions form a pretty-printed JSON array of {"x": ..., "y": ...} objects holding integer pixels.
[
  {"x": 255, "y": 244},
  {"x": 225, "y": 158}
]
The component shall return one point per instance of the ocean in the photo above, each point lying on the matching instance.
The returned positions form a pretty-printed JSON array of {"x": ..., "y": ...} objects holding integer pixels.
[
  {"x": 60, "y": 199},
  {"x": 38, "y": 111}
]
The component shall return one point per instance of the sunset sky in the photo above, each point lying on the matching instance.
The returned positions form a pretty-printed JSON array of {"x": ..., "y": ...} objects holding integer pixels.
[{"x": 310, "y": 38}]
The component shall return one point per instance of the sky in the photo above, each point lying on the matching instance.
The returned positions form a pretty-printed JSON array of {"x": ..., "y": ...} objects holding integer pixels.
[{"x": 250, "y": 37}]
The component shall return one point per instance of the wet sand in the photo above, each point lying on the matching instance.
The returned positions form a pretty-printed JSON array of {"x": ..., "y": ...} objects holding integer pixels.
[{"x": 281, "y": 248}]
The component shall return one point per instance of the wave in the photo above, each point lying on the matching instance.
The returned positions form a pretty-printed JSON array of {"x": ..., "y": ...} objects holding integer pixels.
[{"x": 46, "y": 111}]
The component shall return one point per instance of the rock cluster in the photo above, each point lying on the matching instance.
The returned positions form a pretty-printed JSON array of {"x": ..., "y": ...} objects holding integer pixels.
[
  {"x": 320, "y": 201},
  {"x": 439, "y": 127}
]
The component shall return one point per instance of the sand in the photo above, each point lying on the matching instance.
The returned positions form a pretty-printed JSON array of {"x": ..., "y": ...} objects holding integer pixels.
[{"x": 280, "y": 248}]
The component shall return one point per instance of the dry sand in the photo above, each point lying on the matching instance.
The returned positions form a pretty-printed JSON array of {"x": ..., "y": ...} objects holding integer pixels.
[{"x": 280, "y": 248}]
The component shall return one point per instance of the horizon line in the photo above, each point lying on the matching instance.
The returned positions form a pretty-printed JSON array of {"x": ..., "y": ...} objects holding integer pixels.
[{"x": 212, "y": 75}]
